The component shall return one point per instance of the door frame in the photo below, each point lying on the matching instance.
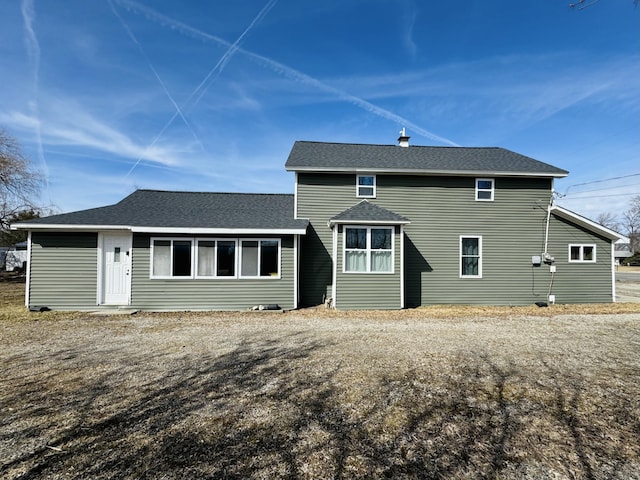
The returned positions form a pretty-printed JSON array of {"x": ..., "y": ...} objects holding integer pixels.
[{"x": 100, "y": 298}]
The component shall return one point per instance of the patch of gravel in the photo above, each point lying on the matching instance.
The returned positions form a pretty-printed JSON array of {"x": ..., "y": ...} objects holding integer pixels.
[{"x": 321, "y": 394}]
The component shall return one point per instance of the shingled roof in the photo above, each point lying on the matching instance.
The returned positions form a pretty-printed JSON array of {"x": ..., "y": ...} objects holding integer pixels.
[
  {"x": 347, "y": 157},
  {"x": 154, "y": 210},
  {"x": 367, "y": 212}
]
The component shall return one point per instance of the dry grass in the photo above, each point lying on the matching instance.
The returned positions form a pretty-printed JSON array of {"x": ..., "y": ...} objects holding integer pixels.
[{"x": 438, "y": 392}]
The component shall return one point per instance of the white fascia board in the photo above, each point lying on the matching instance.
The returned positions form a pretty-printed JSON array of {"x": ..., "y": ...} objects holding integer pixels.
[
  {"x": 415, "y": 171},
  {"x": 222, "y": 231},
  {"x": 62, "y": 227},
  {"x": 368, "y": 222},
  {"x": 168, "y": 230},
  {"x": 586, "y": 223}
]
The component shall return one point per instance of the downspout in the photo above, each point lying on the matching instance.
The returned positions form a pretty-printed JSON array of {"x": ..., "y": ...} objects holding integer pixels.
[
  {"x": 613, "y": 272},
  {"x": 546, "y": 231},
  {"x": 546, "y": 258},
  {"x": 27, "y": 289},
  {"x": 334, "y": 287}
]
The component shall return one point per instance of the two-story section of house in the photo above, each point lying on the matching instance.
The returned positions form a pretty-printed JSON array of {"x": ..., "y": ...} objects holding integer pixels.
[
  {"x": 395, "y": 226},
  {"x": 368, "y": 227}
]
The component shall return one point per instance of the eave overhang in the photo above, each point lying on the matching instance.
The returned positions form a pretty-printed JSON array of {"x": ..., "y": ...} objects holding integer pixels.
[
  {"x": 588, "y": 224},
  {"x": 160, "y": 230},
  {"x": 412, "y": 171}
]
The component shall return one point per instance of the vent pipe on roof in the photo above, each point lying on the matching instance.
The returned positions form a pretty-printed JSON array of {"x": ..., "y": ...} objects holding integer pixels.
[{"x": 403, "y": 139}]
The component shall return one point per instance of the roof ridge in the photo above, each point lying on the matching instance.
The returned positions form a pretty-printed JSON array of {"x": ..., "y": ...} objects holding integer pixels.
[
  {"x": 395, "y": 145},
  {"x": 199, "y": 192}
]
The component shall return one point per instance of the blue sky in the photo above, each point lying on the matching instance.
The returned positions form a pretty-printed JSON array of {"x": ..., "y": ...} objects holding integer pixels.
[{"x": 109, "y": 96}]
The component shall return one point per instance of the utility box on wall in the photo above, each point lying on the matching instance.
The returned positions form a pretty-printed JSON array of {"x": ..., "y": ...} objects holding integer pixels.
[{"x": 536, "y": 260}]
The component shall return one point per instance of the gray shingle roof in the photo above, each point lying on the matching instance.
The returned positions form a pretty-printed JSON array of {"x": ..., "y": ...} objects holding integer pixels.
[
  {"x": 343, "y": 157},
  {"x": 165, "y": 209},
  {"x": 366, "y": 211}
]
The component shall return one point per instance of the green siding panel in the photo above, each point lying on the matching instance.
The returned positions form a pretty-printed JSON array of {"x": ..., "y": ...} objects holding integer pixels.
[
  {"x": 208, "y": 294},
  {"x": 441, "y": 209},
  {"x": 378, "y": 291},
  {"x": 64, "y": 270}
]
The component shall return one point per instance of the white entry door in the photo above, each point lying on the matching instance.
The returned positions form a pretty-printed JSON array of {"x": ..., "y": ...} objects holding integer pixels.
[{"x": 116, "y": 268}]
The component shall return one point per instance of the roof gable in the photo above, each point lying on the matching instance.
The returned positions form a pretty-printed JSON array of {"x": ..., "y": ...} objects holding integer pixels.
[
  {"x": 367, "y": 212},
  {"x": 345, "y": 157}
]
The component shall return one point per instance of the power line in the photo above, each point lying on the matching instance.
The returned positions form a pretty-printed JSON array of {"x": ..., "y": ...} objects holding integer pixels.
[{"x": 598, "y": 181}]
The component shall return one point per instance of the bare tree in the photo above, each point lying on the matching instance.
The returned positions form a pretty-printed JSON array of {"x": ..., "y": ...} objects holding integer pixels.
[
  {"x": 630, "y": 219},
  {"x": 608, "y": 220},
  {"x": 19, "y": 183}
]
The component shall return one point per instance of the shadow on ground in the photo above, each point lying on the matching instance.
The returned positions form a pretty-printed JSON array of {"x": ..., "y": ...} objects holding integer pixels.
[{"x": 264, "y": 411}]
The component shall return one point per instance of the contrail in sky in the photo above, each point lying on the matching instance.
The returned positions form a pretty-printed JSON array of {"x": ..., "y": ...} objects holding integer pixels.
[
  {"x": 162, "y": 84},
  {"x": 202, "y": 87},
  {"x": 286, "y": 71},
  {"x": 33, "y": 51}
]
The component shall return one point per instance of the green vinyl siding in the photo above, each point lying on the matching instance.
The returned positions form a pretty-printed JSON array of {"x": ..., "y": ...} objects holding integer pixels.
[
  {"x": 580, "y": 282},
  {"x": 209, "y": 294},
  {"x": 64, "y": 270},
  {"x": 441, "y": 209},
  {"x": 378, "y": 291}
]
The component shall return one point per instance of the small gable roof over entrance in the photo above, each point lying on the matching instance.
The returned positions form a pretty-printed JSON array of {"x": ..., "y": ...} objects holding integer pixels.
[
  {"x": 183, "y": 212},
  {"x": 369, "y": 213},
  {"x": 347, "y": 157}
]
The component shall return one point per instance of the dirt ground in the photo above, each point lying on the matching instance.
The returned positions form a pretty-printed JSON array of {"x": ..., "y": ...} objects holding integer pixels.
[{"x": 427, "y": 393}]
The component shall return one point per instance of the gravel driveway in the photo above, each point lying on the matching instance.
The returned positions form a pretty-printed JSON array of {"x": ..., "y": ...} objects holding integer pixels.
[{"x": 320, "y": 395}]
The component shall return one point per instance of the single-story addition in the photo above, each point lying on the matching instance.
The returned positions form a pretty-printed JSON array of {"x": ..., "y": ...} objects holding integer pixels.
[
  {"x": 158, "y": 250},
  {"x": 368, "y": 227}
]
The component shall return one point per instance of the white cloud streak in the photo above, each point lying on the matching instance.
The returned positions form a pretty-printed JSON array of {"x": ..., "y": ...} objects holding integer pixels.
[
  {"x": 178, "y": 110},
  {"x": 208, "y": 80},
  {"x": 286, "y": 71},
  {"x": 33, "y": 52},
  {"x": 79, "y": 129}
]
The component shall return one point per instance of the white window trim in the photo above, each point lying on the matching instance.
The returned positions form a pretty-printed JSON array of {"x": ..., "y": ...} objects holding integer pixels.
[
  {"x": 215, "y": 266},
  {"x": 581, "y": 246},
  {"x": 259, "y": 277},
  {"x": 375, "y": 181},
  {"x": 194, "y": 258},
  {"x": 172, "y": 239},
  {"x": 492, "y": 190},
  {"x": 367, "y": 250},
  {"x": 479, "y": 237}
]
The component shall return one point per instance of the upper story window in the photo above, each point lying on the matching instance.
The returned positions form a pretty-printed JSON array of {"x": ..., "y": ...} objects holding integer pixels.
[
  {"x": 582, "y": 253},
  {"x": 366, "y": 186},
  {"x": 470, "y": 257},
  {"x": 485, "y": 188},
  {"x": 368, "y": 250}
]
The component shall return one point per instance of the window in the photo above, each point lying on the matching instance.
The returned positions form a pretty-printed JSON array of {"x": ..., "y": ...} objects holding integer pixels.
[
  {"x": 260, "y": 258},
  {"x": 368, "y": 250},
  {"x": 171, "y": 258},
  {"x": 471, "y": 257},
  {"x": 366, "y": 186},
  {"x": 582, "y": 253},
  {"x": 216, "y": 258},
  {"x": 484, "y": 189}
]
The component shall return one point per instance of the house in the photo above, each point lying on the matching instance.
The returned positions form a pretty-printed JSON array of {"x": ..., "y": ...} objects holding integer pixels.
[
  {"x": 15, "y": 257},
  {"x": 368, "y": 227}
]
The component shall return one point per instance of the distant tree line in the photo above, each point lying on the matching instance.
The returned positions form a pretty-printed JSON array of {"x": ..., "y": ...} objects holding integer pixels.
[{"x": 627, "y": 223}]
